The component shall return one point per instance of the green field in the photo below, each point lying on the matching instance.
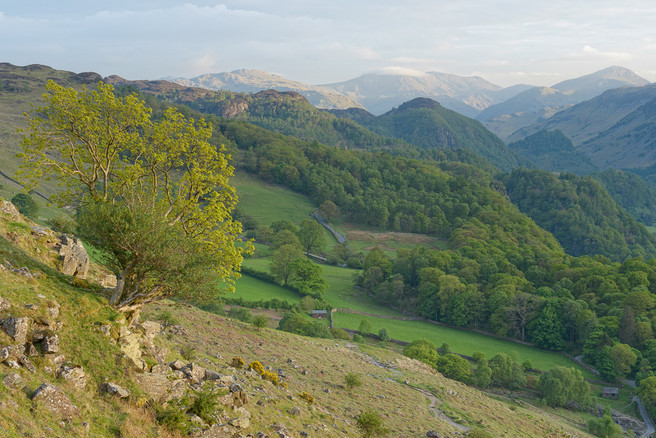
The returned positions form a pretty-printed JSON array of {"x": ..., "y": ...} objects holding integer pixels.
[
  {"x": 251, "y": 288},
  {"x": 460, "y": 341}
]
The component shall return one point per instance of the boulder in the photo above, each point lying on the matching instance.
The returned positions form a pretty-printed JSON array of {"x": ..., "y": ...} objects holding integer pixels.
[
  {"x": 177, "y": 365},
  {"x": 16, "y": 328},
  {"x": 25, "y": 361},
  {"x": 150, "y": 329},
  {"x": 50, "y": 343},
  {"x": 216, "y": 431},
  {"x": 75, "y": 375},
  {"x": 433, "y": 434},
  {"x": 194, "y": 372},
  {"x": 53, "y": 309},
  {"x": 74, "y": 258},
  {"x": 9, "y": 209},
  {"x": 52, "y": 398},
  {"x": 114, "y": 389},
  {"x": 239, "y": 396},
  {"x": 13, "y": 381},
  {"x": 4, "y": 304},
  {"x": 240, "y": 423}
]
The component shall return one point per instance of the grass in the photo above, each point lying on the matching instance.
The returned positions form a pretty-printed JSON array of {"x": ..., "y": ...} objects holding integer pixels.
[
  {"x": 251, "y": 288},
  {"x": 460, "y": 341}
]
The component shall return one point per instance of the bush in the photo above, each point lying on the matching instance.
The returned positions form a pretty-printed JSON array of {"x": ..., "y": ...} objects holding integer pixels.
[
  {"x": 205, "y": 405},
  {"x": 257, "y": 367},
  {"x": 358, "y": 338},
  {"x": 166, "y": 319},
  {"x": 370, "y": 424},
  {"x": 188, "y": 352},
  {"x": 237, "y": 362},
  {"x": 260, "y": 321},
  {"x": 307, "y": 397},
  {"x": 241, "y": 314},
  {"x": 26, "y": 205},
  {"x": 298, "y": 324},
  {"x": 352, "y": 381},
  {"x": 383, "y": 335},
  {"x": 62, "y": 224},
  {"x": 339, "y": 333}
]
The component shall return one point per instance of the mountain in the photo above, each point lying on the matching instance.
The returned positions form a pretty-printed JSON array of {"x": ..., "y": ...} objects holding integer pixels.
[
  {"x": 252, "y": 81},
  {"x": 553, "y": 151},
  {"x": 631, "y": 192},
  {"x": 379, "y": 93},
  {"x": 540, "y": 103},
  {"x": 426, "y": 123}
]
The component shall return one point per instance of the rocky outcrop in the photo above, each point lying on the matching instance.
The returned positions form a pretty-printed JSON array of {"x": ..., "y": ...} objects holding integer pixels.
[
  {"x": 52, "y": 398},
  {"x": 16, "y": 328},
  {"x": 114, "y": 389},
  {"x": 9, "y": 209},
  {"x": 73, "y": 256},
  {"x": 73, "y": 374}
]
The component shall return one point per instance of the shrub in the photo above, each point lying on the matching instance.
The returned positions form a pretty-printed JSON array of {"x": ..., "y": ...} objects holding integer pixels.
[
  {"x": 383, "y": 335},
  {"x": 241, "y": 314},
  {"x": 166, "y": 318},
  {"x": 370, "y": 424},
  {"x": 205, "y": 405},
  {"x": 352, "y": 381},
  {"x": 307, "y": 397},
  {"x": 237, "y": 362},
  {"x": 358, "y": 338},
  {"x": 260, "y": 321},
  {"x": 172, "y": 417},
  {"x": 339, "y": 333},
  {"x": 257, "y": 367},
  {"x": 187, "y": 352},
  {"x": 365, "y": 327},
  {"x": 271, "y": 377},
  {"x": 62, "y": 224},
  {"x": 295, "y": 323},
  {"x": 26, "y": 205}
]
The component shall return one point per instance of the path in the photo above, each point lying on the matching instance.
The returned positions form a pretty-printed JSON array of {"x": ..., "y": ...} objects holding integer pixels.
[
  {"x": 338, "y": 236},
  {"x": 435, "y": 402}
]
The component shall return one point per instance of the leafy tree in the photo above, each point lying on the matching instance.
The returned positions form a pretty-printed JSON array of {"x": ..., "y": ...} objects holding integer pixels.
[
  {"x": 423, "y": 350},
  {"x": 104, "y": 149},
  {"x": 383, "y": 335},
  {"x": 26, "y": 205},
  {"x": 561, "y": 385},
  {"x": 241, "y": 314},
  {"x": 328, "y": 210},
  {"x": 647, "y": 391},
  {"x": 605, "y": 427},
  {"x": 483, "y": 373},
  {"x": 260, "y": 321},
  {"x": 454, "y": 367},
  {"x": 364, "y": 327},
  {"x": 523, "y": 309},
  {"x": 284, "y": 237},
  {"x": 547, "y": 329},
  {"x": 307, "y": 277},
  {"x": 281, "y": 265},
  {"x": 310, "y": 234},
  {"x": 627, "y": 333},
  {"x": 623, "y": 358},
  {"x": 507, "y": 371}
]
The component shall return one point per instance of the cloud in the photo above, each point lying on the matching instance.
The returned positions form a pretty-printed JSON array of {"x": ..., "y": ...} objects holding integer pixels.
[{"x": 396, "y": 70}]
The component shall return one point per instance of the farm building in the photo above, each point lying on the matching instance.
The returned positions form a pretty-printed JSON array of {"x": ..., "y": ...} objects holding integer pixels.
[
  {"x": 610, "y": 392},
  {"x": 321, "y": 314}
]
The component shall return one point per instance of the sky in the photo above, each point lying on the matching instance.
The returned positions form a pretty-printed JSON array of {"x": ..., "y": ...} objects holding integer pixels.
[{"x": 319, "y": 42}]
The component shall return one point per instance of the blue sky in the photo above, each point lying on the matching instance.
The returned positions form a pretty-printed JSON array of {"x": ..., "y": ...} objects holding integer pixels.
[{"x": 504, "y": 41}]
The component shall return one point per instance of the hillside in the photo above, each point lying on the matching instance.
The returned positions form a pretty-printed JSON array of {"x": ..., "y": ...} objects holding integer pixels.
[
  {"x": 178, "y": 354},
  {"x": 426, "y": 123},
  {"x": 552, "y": 151},
  {"x": 252, "y": 81},
  {"x": 537, "y": 105}
]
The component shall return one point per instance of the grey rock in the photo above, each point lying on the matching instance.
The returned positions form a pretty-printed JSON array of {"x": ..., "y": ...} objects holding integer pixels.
[
  {"x": 50, "y": 344},
  {"x": 194, "y": 372},
  {"x": 25, "y": 361},
  {"x": 75, "y": 375},
  {"x": 177, "y": 365},
  {"x": 9, "y": 209},
  {"x": 74, "y": 258},
  {"x": 16, "y": 328},
  {"x": 433, "y": 434},
  {"x": 54, "y": 399},
  {"x": 30, "y": 350},
  {"x": 4, "y": 304},
  {"x": 13, "y": 381},
  {"x": 114, "y": 389}
]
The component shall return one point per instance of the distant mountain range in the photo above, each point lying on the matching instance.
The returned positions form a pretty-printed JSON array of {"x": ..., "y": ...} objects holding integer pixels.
[
  {"x": 540, "y": 103},
  {"x": 503, "y": 110}
]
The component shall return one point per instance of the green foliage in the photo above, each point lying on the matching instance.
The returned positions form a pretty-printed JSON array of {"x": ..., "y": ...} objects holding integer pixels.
[
  {"x": 260, "y": 321},
  {"x": 63, "y": 224},
  {"x": 294, "y": 323},
  {"x": 206, "y": 405},
  {"x": 507, "y": 372},
  {"x": 307, "y": 277},
  {"x": 605, "y": 427},
  {"x": 241, "y": 314},
  {"x": 352, "y": 381},
  {"x": 454, "y": 367},
  {"x": 383, "y": 335},
  {"x": 173, "y": 417},
  {"x": 358, "y": 338},
  {"x": 166, "y": 319},
  {"x": 580, "y": 213},
  {"x": 365, "y": 327},
  {"x": 482, "y": 376},
  {"x": 631, "y": 192},
  {"x": 111, "y": 149},
  {"x": 188, "y": 352},
  {"x": 311, "y": 236},
  {"x": 562, "y": 386},
  {"x": 423, "y": 350},
  {"x": 281, "y": 265},
  {"x": 370, "y": 424},
  {"x": 26, "y": 205},
  {"x": 339, "y": 333}
]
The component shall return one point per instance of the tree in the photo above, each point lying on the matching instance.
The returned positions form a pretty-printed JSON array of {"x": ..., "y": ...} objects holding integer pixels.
[
  {"x": 328, "y": 210},
  {"x": 310, "y": 234},
  {"x": 105, "y": 149},
  {"x": 365, "y": 327},
  {"x": 383, "y": 335},
  {"x": 260, "y": 322},
  {"x": 423, "y": 350},
  {"x": 282, "y": 260},
  {"x": 561, "y": 386},
  {"x": 307, "y": 277},
  {"x": 26, "y": 205},
  {"x": 546, "y": 329},
  {"x": 624, "y": 358},
  {"x": 522, "y": 311}
]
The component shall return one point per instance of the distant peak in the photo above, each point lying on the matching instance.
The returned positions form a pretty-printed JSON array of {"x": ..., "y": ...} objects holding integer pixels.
[{"x": 420, "y": 102}]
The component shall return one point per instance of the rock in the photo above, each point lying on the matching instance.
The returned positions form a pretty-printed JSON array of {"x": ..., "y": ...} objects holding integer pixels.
[
  {"x": 53, "y": 309},
  {"x": 109, "y": 281},
  {"x": 7, "y": 352},
  {"x": 216, "y": 431},
  {"x": 30, "y": 350},
  {"x": 212, "y": 375},
  {"x": 280, "y": 430},
  {"x": 240, "y": 423},
  {"x": 50, "y": 344},
  {"x": 194, "y": 372},
  {"x": 16, "y": 328},
  {"x": 177, "y": 365},
  {"x": 54, "y": 399},
  {"x": 75, "y": 260},
  {"x": 150, "y": 329},
  {"x": 227, "y": 380},
  {"x": 9, "y": 209},
  {"x": 160, "y": 388},
  {"x": 295, "y": 411},
  {"x": 131, "y": 348},
  {"x": 240, "y": 398},
  {"x": 25, "y": 361},
  {"x": 75, "y": 375},
  {"x": 159, "y": 369},
  {"x": 4, "y": 304},
  {"x": 433, "y": 434},
  {"x": 13, "y": 381},
  {"x": 114, "y": 389}
]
